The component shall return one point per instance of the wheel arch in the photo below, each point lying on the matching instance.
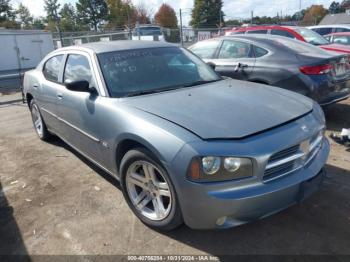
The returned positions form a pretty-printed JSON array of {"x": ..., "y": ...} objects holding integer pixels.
[
  {"x": 29, "y": 98},
  {"x": 129, "y": 142}
]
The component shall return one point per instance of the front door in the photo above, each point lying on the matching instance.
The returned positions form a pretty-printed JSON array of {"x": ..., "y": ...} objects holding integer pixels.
[
  {"x": 235, "y": 59},
  {"x": 81, "y": 121}
]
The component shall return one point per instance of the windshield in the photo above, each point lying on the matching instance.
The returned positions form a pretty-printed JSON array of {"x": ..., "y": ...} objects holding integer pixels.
[
  {"x": 311, "y": 36},
  {"x": 140, "y": 71},
  {"x": 144, "y": 31}
]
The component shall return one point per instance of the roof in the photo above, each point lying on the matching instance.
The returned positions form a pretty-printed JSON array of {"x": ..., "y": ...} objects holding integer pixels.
[
  {"x": 332, "y": 19},
  {"x": 22, "y": 32},
  {"x": 104, "y": 47},
  {"x": 340, "y": 33}
]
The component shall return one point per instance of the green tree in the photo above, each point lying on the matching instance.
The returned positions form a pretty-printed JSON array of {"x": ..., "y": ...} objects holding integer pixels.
[
  {"x": 24, "y": 16},
  {"x": 92, "y": 12},
  {"x": 207, "y": 13},
  {"x": 52, "y": 9},
  {"x": 6, "y": 12},
  {"x": 120, "y": 13},
  {"x": 68, "y": 18},
  {"x": 38, "y": 23},
  {"x": 334, "y": 8}
]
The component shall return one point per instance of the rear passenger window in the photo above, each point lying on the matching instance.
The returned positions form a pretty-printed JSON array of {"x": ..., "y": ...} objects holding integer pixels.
[
  {"x": 78, "y": 68},
  {"x": 234, "y": 49},
  {"x": 257, "y": 32},
  {"x": 52, "y": 68},
  {"x": 282, "y": 33},
  {"x": 259, "y": 52}
]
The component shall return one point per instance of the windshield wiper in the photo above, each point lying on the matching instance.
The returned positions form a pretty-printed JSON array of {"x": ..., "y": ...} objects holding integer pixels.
[
  {"x": 143, "y": 92},
  {"x": 201, "y": 82},
  {"x": 153, "y": 91}
]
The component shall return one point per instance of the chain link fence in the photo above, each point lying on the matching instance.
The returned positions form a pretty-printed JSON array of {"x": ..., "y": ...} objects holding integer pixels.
[{"x": 189, "y": 36}]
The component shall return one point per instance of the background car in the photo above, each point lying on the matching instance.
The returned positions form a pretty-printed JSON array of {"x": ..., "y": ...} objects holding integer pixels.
[
  {"x": 186, "y": 144},
  {"x": 299, "y": 33},
  {"x": 339, "y": 38},
  {"x": 148, "y": 33},
  {"x": 279, "y": 61},
  {"x": 329, "y": 29}
]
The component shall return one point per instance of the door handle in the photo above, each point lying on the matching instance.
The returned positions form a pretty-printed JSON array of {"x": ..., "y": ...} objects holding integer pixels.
[
  {"x": 35, "y": 86},
  {"x": 59, "y": 96},
  {"x": 240, "y": 66}
]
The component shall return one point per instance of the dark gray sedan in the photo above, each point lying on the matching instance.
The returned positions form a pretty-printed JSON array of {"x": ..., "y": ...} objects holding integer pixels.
[
  {"x": 187, "y": 145},
  {"x": 282, "y": 62}
]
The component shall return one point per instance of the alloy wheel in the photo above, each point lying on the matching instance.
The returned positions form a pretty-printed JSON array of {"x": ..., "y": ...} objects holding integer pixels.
[
  {"x": 148, "y": 190},
  {"x": 38, "y": 123}
]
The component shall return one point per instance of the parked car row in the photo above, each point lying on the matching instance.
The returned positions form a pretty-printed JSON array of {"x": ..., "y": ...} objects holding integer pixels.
[
  {"x": 187, "y": 145},
  {"x": 281, "y": 61},
  {"x": 295, "y": 32}
]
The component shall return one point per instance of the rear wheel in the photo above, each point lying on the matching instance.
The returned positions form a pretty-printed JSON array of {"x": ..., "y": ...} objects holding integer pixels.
[
  {"x": 149, "y": 191},
  {"x": 38, "y": 122}
]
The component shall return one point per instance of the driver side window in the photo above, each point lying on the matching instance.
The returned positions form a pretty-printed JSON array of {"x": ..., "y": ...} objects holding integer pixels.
[{"x": 78, "y": 68}]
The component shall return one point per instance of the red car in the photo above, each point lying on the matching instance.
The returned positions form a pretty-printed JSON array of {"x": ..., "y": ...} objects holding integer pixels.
[
  {"x": 300, "y": 33},
  {"x": 342, "y": 38}
]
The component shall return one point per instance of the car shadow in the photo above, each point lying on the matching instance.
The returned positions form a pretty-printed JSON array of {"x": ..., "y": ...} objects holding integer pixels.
[
  {"x": 306, "y": 228},
  {"x": 297, "y": 230},
  {"x": 56, "y": 141},
  {"x": 11, "y": 241}
]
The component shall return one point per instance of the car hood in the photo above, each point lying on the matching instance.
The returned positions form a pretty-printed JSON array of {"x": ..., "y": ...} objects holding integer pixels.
[
  {"x": 227, "y": 109},
  {"x": 336, "y": 48}
]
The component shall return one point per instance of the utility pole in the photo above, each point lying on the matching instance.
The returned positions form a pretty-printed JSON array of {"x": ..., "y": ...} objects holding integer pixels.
[
  {"x": 251, "y": 19},
  {"x": 129, "y": 29},
  {"x": 181, "y": 36},
  {"x": 220, "y": 22}
]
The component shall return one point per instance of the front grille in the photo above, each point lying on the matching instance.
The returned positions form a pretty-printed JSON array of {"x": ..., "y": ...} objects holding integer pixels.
[
  {"x": 292, "y": 158},
  {"x": 282, "y": 162},
  {"x": 284, "y": 153}
]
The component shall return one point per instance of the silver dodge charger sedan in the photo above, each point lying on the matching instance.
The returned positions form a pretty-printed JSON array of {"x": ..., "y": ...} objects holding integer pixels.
[{"x": 186, "y": 145}]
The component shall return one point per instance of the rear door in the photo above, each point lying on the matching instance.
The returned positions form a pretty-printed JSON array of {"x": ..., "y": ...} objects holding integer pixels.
[
  {"x": 47, "y": 87},
  {"x": 235, "y": 59}
]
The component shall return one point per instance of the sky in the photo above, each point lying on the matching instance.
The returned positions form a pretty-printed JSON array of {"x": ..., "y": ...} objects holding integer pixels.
[{"x": 232, "y": 8}]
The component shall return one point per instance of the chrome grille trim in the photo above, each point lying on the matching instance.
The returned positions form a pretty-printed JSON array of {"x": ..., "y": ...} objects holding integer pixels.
[
  {"x": 293, "y": 158},
  {"x": 285, "y": 160}
]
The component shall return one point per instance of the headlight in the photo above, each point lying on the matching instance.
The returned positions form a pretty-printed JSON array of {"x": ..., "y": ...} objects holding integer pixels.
[
  {"x": 213, "y": 169},
  {"x": 232, "y": 164},
  {"x": 211, "y": 164}
]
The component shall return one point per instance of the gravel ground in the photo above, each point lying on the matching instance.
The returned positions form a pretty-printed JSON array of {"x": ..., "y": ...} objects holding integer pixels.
[{"x": 53, "y": 201}]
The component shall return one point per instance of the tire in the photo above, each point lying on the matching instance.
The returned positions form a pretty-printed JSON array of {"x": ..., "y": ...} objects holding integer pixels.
[
  {"x": 153, "y": 188},
  {"x": 38, "y": 122}
]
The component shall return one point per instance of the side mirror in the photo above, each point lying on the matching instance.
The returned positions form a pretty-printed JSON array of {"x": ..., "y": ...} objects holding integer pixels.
[
  {"x": 212, "y": 65},
  {"x": 78, "y": 86}
]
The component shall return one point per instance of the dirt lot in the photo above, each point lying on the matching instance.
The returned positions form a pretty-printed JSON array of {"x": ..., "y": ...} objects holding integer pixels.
[{"x": 52, "y": 201}]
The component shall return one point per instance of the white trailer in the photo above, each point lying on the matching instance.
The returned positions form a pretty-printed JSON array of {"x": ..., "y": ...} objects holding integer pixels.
[{"x": 21, "y": 50}]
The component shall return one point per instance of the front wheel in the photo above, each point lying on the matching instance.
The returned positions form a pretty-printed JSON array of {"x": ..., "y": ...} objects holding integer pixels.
[{"x": 149, "y": 191}]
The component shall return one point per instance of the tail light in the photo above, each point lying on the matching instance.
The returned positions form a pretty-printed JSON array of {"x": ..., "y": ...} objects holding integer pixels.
[{"x": 316, "y": 70}]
